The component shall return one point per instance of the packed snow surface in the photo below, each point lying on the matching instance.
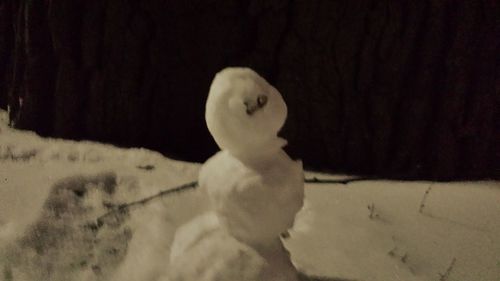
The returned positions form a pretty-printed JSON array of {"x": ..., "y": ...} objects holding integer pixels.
[{"x": 368, "y": 230}]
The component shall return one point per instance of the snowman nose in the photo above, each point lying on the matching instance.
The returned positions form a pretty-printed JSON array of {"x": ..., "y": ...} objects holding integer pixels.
[{"x": 254, "y": 105}]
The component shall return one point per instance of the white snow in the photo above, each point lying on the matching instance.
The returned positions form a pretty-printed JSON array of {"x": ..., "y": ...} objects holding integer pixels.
[
  {"x": 254, "y": 203},
  {"x": 202, "y": 250},
  {"x": 333, "y": 236},
  {"x": 459, "y": 221},
  {"x": 237, "y": 92}
]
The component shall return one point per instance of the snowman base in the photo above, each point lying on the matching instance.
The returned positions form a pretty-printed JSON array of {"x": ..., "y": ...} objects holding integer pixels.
[{"x": 204, "y": 251}]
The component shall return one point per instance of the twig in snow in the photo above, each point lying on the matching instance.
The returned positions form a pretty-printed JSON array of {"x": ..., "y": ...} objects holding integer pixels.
[
  {"x": 146, "y": 167},
  {"x": 444, "y": 276},
  {"x": 373, "y": 214},
  {"x": 126, "y": 206},
  {"x": 422, "y": 203},
  {"x": 404, "y": 258},
  {"x": 144, "y": 201},
  {"x": 392, "y": 252},
  {"x": 341, "y": 181}
]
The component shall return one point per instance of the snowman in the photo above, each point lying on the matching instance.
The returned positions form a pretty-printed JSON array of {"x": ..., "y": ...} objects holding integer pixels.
[{"x": 254, "y": 187}]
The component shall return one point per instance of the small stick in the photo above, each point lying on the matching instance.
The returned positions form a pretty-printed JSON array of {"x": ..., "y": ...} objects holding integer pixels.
[
  {"x": 444, "y": 276},
  {"x": 422, "y": 203},
  {"x": 341, "y": 181},
  {"x": 194, "y": 184},
  {"x": 371, "y": 207},
  {"x": 392, "y": 252},
  {"x": 146, "y": 200},
  {"x": 404, "y": 258}
]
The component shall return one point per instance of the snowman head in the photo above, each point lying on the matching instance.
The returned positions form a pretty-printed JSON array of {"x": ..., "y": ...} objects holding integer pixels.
[{"x": 244, "y": 113}]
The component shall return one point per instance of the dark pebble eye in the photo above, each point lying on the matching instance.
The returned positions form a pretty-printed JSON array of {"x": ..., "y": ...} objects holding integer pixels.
[{"x": 261, "y": 100}]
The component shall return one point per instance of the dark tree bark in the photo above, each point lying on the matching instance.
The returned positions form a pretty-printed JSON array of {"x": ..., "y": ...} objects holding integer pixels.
[
  {"x": 6, "y": 45},
  {"x": 406, "y": 89}
]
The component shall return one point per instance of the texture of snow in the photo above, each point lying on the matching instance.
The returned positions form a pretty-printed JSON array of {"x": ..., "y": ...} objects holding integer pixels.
[
  {"x": 202, "y": 250},
  {"x": 333, "y": 236},
  {"x": 460, "y": 221},
  {"x": 255, "y": 203}
]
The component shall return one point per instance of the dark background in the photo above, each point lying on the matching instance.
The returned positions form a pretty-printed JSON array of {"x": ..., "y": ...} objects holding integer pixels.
[{"x": 398, "y": 89}]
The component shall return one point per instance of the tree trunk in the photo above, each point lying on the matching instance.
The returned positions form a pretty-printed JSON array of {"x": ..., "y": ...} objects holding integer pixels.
[{"x": 388, "y": 88}]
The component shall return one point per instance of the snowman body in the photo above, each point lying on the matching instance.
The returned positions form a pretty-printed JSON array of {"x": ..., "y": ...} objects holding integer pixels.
[
  {"x": 256, "y": 201},
  {"x": 254, "y": 187}
]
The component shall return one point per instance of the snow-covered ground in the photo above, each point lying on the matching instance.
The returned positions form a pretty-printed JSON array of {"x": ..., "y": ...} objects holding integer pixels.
[{"x": 368, "y": 230}]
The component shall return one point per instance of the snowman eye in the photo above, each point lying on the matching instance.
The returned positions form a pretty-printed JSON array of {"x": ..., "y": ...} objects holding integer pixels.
[
  {"x": 261, "y": 100},
  {"x": 253, "y": 105}
]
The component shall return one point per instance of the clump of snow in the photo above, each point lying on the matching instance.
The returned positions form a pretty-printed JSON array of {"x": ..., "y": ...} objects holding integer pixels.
[{"x": 205, "y": 251}]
